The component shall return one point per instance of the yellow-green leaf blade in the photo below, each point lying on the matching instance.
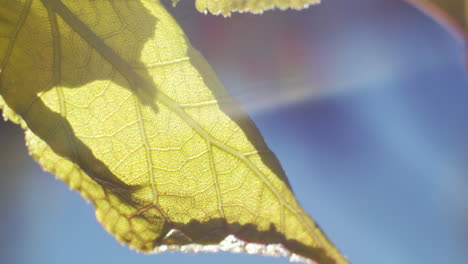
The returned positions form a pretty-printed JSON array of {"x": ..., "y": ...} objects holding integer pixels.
[
  {"x": 226, "y": 7},
  {"x": 124, "y": 110}
]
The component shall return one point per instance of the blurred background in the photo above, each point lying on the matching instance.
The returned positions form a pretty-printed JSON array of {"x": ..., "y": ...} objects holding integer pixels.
[{"x": 365, "y": 104}]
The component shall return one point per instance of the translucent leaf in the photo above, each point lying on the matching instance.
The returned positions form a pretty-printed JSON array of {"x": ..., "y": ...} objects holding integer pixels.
[
  {"x": 117, "y": 104},
  {"x": 226, "y": 7}
]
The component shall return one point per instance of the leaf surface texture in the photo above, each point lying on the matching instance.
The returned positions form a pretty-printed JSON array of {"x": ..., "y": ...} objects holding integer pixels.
[{"x": 117, "y": 104}]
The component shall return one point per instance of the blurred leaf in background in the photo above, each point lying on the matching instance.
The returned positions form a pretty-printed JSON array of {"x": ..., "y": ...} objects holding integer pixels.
[
  {"x": 226, "y": 7},
  {"x": 453, "y": 14}
]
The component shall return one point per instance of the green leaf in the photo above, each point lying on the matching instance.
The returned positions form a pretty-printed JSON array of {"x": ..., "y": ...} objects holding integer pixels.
[
  {"x": 118, "y": 105},
  {"x": 226, "y": 7}
]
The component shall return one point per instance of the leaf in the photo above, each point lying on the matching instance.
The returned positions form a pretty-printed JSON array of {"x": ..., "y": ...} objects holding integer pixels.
[
  {"x": 117, "y": 104},
  {"x": 226, "y": 7},
  {"x": 451, "y": 13}
]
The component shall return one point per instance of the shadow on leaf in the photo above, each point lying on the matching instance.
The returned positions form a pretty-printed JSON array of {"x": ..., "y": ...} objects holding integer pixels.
[{"x": 55, "y": 45}]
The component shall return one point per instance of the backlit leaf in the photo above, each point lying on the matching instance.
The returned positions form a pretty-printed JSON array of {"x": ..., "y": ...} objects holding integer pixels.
[
  {"x": 226, "y": 7},
  {"x": 117, "y": 104}
]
